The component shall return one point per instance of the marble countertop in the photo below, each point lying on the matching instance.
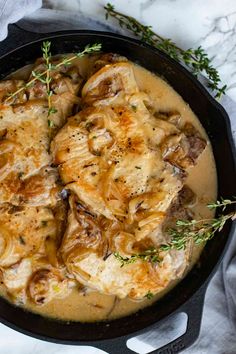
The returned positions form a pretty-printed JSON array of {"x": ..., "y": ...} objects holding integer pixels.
[{"x": 190, "y": 23}]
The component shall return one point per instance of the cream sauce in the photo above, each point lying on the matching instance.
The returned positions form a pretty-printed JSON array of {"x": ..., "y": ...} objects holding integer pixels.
[{"x": 202, "y": 179}]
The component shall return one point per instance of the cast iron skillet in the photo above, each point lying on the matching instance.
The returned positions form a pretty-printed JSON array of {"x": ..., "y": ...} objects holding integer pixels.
[{"x": 188, "y": 295}]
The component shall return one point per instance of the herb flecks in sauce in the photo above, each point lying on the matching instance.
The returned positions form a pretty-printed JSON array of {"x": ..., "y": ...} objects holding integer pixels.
[{"x": 149, "y": 295}]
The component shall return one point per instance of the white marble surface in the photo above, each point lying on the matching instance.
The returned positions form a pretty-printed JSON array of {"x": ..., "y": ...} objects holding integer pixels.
[{"x": 189, "y": 23}]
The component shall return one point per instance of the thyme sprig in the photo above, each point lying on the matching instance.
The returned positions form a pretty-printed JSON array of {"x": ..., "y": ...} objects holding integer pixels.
[
  {"x": 222, "y": 203},
  {"x": 149, "y": 255},
  {"x": 47, "y": 56},
  {"x": 197, "y": 231},
  {"x": 149, "y": 295},
  {"x": 45, "y": 76},
  {"x": 195, "y": 59}
]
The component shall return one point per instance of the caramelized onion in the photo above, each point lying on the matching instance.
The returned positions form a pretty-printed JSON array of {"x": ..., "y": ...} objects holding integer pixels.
[
  {"x": 44, "y": 284},
  {"x": 7, "y": 148},
  {"x": 6, "y": 246},
  {"x": 83, "y": 234},
  {"x": 123, "y": 242}
]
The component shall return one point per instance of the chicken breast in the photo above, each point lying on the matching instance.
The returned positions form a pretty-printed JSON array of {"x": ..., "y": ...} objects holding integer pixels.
[
  {"x": 24, "y": 157},
  {"x": 29, "y": 239},
  {"x": 32, "y": 216},
  {"x": 34, "y": 280},
  {"x": 25, "y": 133},
  {"x": 89, "y": 247},
  {"x": 18, "y": 224},
  {"x": 111, "y": 157}
]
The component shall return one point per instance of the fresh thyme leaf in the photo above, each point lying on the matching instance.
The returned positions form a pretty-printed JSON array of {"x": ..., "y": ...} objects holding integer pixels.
[
  {"x": 87, "y": 50},
  {"x": 44, "y": 223},
  {"x": 199, "y": 231},
  {"x": 221, "y": 203},
  {"x": 52, "y": 110},
  {"x": 50, "y": 123},
  {"x": 21, "y": 240},
  {"x": 90, "y": 49},
  {"x": 45, "y": 77},
  {"x": 20, "y": 174},
  {"x": 149, "y": 255},
  {"x": 39, "y": 77},
  {"x": 149, "y": 295},
  {"x": 123, "y": 260},
  {"x": 195, "y": 59}
]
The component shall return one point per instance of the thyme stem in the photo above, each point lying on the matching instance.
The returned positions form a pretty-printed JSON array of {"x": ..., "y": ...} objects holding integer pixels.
[
  {"x": 198, "y": 231},
  {"x": 47, "y": 56},
  {"x": 149, "y": 255},
  {"x": 195, "y": 59},
  {"x": 66, "y": 61}
]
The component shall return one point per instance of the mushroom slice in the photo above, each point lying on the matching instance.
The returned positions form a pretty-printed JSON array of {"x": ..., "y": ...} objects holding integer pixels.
[{"x": 183, "y": 150}]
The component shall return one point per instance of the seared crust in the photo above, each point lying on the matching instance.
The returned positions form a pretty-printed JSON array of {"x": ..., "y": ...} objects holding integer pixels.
[
  {"x": 31, "y": 212},
  {"x": 113, "y": 158}
]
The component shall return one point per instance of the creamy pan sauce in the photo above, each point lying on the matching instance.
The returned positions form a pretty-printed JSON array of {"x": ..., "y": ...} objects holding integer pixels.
[{"x": 93, "y": 306}]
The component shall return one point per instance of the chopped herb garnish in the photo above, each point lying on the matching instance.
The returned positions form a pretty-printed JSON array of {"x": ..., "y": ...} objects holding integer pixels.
[
  {"x": 50, "y": 123},
  {"x": 89, "y": 125},
  {"x": 134, "y": 108},
  {"x": 138, "y": 167},
  {"x": 44, "y": 223},
  {"x": 20, "y": 174},
  {"x": 21, "y": 239},
  {"x": 149, "y": 295}
]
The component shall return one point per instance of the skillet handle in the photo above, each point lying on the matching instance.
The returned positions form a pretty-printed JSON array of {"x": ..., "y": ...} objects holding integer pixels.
[{"x": 193, "y": 308}]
